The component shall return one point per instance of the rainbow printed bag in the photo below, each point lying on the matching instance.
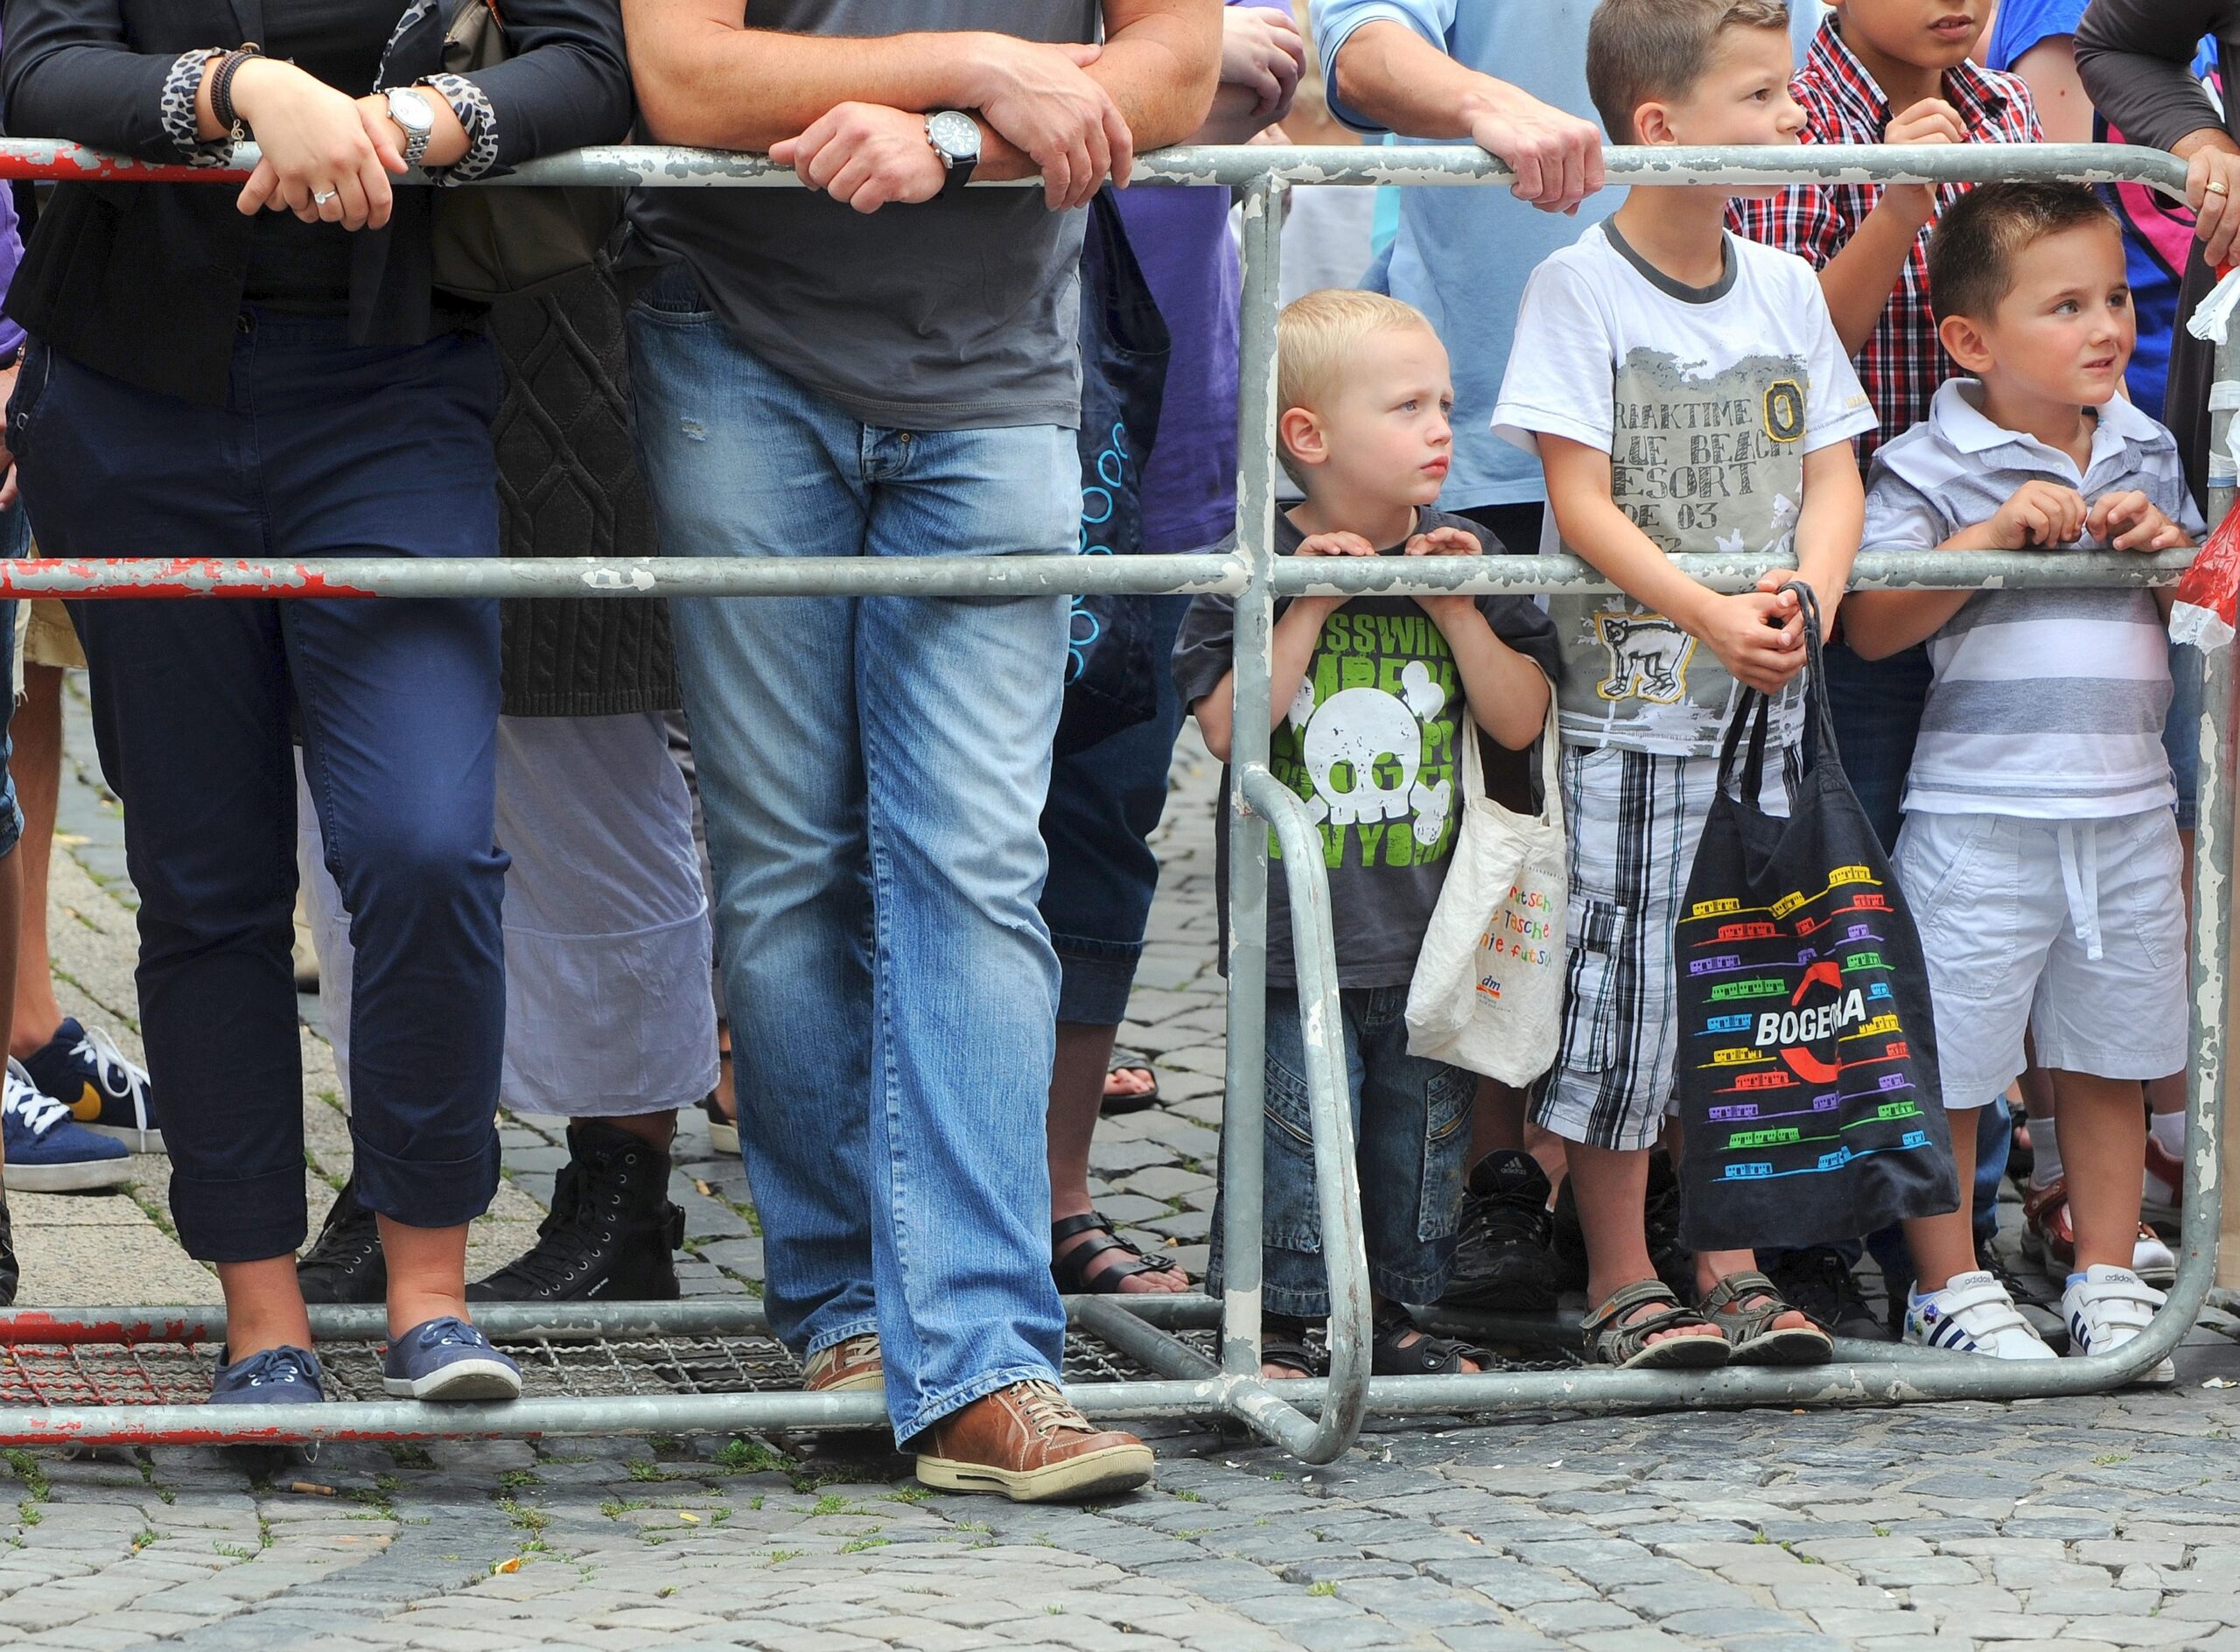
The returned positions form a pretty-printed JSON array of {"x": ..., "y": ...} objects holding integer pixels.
[{"x": 1808, "y": 1060}]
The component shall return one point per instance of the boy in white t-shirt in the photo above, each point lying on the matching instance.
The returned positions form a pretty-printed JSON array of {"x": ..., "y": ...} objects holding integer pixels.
[
  {"x": 1685, "y": 391},
  {"x": 2040, "y": 849}
]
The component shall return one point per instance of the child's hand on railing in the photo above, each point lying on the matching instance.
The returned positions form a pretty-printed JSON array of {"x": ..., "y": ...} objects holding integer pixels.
[
  {"x": 1339, "y": 543},
  {"x": 2131, "y": 520},
  {"x": 1445, "y": 541},
  {"x": 1757, "y": 636},
  {"x": 1930, "y": 120},
  {"x": 2039, "y": 513}
]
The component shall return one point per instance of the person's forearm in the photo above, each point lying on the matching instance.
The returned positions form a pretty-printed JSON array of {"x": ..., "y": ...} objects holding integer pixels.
[
  {"x": 1393, "y": 75},
  {"x": 716, "y": 84},
  {"x": 1858, "y": 281},
  {"x": 1879, "y": 623},
  {"x": 1297, "y": 630},
  {"x": 1607, "y": 538},
  {"x": 1828, "y": 528},
  {"x": 1508, "y": 694},
  {"x": 2208, "y": 137},
  {"x": 1161, "y": 69},
  {"x": 2134, "y": 57}
]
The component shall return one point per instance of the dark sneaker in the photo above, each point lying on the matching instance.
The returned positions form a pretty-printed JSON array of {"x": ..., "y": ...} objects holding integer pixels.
[
  {"x": 277, "y": 1376},
  {"x": 345, "y": 1263},
  {"x": 1502, "y": 1259},
  {"x": 611, "y": 1232},
  {"x": 47, "y": 1152},
  {"x": 448, "y": 1359},
  {"x": 1816, "y": 1280},
  {"x": 105, "y": 1092},
  {"x": 1675, "y": 1264}
]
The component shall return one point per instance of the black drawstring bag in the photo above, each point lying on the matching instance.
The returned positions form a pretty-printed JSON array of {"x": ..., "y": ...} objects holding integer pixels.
[
  {"x": 1111, "y": 679},
  {"x": 1808, "y": 1058}
]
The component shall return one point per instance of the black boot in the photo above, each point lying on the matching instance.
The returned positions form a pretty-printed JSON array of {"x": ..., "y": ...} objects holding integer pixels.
[
  {"x": 611, "y": 1232},
  {"x": 345, "y": 1262},
  {"x": 8, "y": 1272}
]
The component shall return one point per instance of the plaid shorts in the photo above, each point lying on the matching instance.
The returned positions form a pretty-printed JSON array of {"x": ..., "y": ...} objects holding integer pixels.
[{"x": 1634, "y": 820}]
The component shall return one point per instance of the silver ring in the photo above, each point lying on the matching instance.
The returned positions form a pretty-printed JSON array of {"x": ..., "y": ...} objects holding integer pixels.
[{"x": 321, "y": 200}]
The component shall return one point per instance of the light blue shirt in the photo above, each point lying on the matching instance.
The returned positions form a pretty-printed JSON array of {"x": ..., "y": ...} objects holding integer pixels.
[{"x": 1461, "y": 255}]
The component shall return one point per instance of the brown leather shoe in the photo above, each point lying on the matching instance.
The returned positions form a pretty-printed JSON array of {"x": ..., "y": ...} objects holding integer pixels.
[
  {"x": 852, "y": 1363},
  {"x": 1028, "y": 1442}
]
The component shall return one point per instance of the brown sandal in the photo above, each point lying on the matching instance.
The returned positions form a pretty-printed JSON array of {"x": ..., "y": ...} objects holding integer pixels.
[
  {"x": 1744, "y": 1305},
  {"x": 1612, "y": 1340}
]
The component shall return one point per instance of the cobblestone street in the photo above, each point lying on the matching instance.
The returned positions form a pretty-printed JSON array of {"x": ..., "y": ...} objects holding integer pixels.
[{"x": 2098, "y": 1523}]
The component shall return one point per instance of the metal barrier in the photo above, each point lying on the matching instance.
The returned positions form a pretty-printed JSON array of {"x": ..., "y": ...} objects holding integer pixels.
[{"x": 684, "y": 1368}]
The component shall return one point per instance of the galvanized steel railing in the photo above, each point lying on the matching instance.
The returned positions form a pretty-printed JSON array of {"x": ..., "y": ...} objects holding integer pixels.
[{"x": 1316, "y": 1419}]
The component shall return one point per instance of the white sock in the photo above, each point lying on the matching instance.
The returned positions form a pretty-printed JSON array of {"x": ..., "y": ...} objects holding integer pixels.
[
  {"x": 2169, "y": 1129},
  {"x": 2045, "y": 1153}
]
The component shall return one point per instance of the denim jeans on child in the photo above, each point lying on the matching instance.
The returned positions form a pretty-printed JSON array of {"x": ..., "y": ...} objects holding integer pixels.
[
  {"x": 1411, "y": 1136},
  {"x": 872, "y": 771}
]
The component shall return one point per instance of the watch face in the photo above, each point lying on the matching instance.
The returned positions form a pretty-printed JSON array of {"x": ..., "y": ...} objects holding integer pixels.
[
  {"x": 411, "y": 113},
  {"x": 955, "y": 134}
]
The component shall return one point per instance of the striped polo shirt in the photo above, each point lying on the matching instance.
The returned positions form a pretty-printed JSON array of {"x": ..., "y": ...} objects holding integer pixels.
[{"x": 2045, "y": 704}]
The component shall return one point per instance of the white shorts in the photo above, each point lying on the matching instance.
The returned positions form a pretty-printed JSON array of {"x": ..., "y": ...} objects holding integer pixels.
[{"x": 2073, "y": 929}]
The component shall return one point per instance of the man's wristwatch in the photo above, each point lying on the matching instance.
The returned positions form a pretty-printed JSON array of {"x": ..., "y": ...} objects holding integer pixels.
[
  {"x": 955, "y": 138},
  {"x": 408, "y": 108}
]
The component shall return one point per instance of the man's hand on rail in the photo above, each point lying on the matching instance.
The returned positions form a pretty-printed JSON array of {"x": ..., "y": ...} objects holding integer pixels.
[
  {"x": 2212, "y": 182},
  {"x": 317, "y": 161},
  {"x": 1262, "y": 50},
  {"x": 2131, "y": 520},
  {"x": 1037, "y": 98},
  {"x": 866, "y": 155},
  {"x": 1557, "y": 157}
]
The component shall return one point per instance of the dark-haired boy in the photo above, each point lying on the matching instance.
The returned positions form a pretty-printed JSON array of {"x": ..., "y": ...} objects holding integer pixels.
[
  {"x": 1685, "y": 391},
  {"x": 2040, "y": 848}
]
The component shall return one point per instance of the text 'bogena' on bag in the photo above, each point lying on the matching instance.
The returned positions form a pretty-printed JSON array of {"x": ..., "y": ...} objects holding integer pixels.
[{"x": 1808, "y": 1086}]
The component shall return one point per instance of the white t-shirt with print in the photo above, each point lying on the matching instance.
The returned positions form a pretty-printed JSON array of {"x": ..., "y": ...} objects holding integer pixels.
[{"x": 1707, "y": 400}]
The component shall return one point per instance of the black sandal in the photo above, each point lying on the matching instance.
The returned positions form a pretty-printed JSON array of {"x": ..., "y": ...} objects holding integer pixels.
[
  {"x": 1744, "y": 1306},
  {"x": 1398, "y": 1349},
  {"x": 1130, "y": 1061},
  {"x": 1071, "y": 1270},
  {"x": 1283, "y": 1342},
  {"x": 1612, "y": 1340}
]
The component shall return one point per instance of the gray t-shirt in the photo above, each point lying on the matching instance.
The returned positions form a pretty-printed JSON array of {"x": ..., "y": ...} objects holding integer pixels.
[
  {"x": 950, "y": 315},
  {"x": 1369, "y": 744}
]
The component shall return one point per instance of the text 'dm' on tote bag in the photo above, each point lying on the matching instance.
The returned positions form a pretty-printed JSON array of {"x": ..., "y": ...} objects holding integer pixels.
[
  {"x": 1808, "y": 1054},
  {"x": 1487, "y": 993}
]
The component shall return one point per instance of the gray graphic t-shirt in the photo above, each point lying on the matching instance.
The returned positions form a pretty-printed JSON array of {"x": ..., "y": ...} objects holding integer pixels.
[
  {"x": 1707, "y": 401},
  {"x": 1369, "y": 743}
]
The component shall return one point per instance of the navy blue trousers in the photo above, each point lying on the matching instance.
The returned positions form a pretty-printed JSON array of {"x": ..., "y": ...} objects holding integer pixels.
[{"x": 324, "y": 449}]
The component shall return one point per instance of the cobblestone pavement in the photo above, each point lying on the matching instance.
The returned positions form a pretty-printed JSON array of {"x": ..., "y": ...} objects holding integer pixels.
[{"x": 2083, "y": 1524}]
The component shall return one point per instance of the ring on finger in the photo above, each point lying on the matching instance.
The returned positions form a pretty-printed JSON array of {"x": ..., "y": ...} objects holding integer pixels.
[
  {"x": 2217, "y": 187},
  {"x": 320, "y": 199}
]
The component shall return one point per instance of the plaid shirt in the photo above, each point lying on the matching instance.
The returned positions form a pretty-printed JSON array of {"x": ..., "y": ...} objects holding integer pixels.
[{"x": 1902, "y": 363}]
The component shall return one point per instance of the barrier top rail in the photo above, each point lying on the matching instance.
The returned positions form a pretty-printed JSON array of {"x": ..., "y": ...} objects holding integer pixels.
[{"x": 641, "y": 167}]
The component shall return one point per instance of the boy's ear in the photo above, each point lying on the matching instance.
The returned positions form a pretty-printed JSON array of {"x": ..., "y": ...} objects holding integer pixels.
[
  {"x": 1300, "y": 431},
  {"x": 1963, "y": 341},
  {"x": 1653, "y": 124}
]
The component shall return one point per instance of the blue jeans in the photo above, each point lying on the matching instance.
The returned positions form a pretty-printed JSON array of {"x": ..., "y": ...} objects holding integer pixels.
[
  {"x": 323, "y": 448},
  {"x": 1411, "y": 1140},
  {"x": 872, "y": 771},
  {"x": 15, "y": 541},
  {"x": 1104, "y": 804}
]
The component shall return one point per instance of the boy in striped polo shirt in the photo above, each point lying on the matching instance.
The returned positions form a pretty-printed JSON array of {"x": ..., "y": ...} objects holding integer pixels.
[{"x": 2040, "y": 849}]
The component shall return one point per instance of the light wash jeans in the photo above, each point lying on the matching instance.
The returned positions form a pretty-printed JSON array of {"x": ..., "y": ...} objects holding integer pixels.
[{"x": 872, "y": 770}]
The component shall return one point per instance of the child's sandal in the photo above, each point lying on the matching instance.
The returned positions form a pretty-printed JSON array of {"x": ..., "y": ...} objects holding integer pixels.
[
  {"x": 1744, "y": 1306},
  {"x": 1398, "y": 1348},
  {"x": 1283, "y": 1342},
  {"x": 1612, "y": 1338}
]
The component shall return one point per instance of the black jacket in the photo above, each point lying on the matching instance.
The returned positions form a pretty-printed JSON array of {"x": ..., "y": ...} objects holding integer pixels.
[
  {"x": 2133, "y": 57},
  {"x": 143, "y": 281}
]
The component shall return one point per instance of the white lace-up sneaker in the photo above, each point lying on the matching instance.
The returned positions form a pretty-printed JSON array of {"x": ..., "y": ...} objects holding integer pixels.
[
  {"x": 1973, "y": 1315},
  {"x": 2107, "y": 1308}
]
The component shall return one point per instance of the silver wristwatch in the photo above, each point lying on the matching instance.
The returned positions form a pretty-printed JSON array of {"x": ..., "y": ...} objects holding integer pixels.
[
  {"x": 408, "y": 108},
  {"x": 955, "y": 138}
]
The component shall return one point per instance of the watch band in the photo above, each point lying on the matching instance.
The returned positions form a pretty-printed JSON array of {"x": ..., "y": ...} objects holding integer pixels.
[{"x": 416, "y": 139}]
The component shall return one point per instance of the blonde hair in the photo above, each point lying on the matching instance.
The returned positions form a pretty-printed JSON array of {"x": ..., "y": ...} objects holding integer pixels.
[
  {"x": 1316, "y": 339},
  {"x": 1639, "y": 51}
]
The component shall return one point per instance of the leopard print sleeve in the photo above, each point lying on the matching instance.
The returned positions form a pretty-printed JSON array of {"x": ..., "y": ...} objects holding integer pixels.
[
  {"x": 181, "y": 124},
  {"x": 472, "y": 106}
]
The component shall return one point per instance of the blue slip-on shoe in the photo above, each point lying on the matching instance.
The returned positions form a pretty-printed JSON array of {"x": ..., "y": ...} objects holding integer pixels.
[
  {"x": 276, "y": 1376},
  {"x": 105, "y": 1090},
  {"x": 448, "y": 1359},
  {"x": 46, "y": 1151}
]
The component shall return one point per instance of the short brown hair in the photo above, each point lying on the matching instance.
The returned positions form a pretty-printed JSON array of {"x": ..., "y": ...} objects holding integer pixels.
[
  {"x": 1641, "y": 50},
  {"x": 1316, "y": 337},
  {"x": 1972, "y": 251}
]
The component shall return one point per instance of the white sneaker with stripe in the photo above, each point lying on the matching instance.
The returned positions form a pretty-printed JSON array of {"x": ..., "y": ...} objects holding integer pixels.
[
  {"x": 1973, "y": 1315},
  {"x": 2107, "y": 1308}
]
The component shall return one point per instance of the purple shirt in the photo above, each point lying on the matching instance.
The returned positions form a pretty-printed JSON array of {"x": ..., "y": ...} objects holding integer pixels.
[
  {"x": 1180, "y": 236},
  {"x": 11, "y": 254}
]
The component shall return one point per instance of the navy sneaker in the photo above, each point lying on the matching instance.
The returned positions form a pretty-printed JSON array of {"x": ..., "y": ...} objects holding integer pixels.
[
  {"x": 105, "y": 1092},
  {"x": 47, "y": 1152},
  {"x": 277, "y": 1376},
  {"x": 448, "y": 1359}
]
